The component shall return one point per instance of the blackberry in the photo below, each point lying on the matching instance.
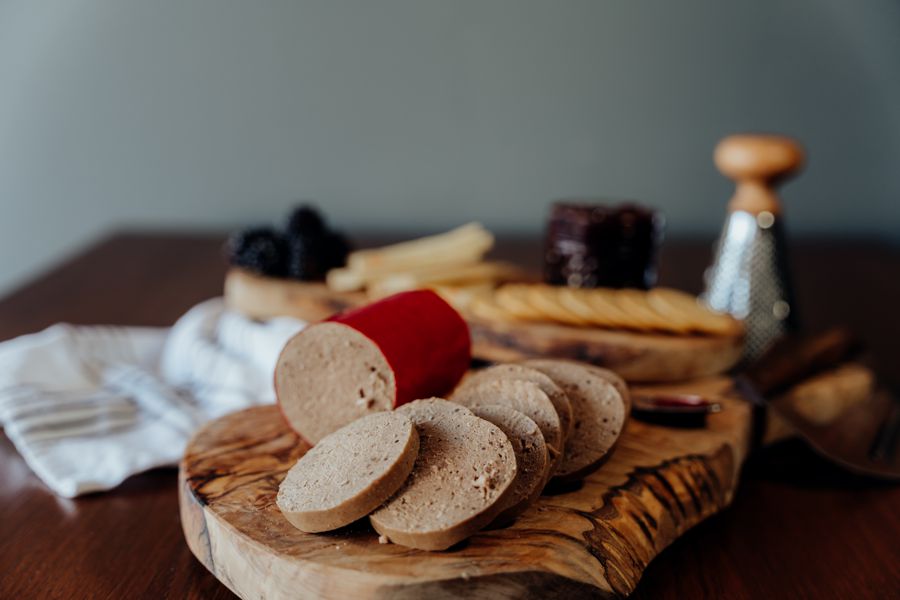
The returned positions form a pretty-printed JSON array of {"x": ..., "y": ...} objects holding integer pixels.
[
  {"x": 259, "y": 249},
  {"x": 305, "y": 260},
  {"x": 310, "y": 257},
  {"x": 305, "y": 220},
  {"x": 337, "y": 249}
]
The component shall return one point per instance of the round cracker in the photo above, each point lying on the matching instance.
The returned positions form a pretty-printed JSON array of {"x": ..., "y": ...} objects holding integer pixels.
[
  {"x": 679, "y": 318},
  {"x": 601, "y": 300},
  {"x": 486, "y": 308},
  {"x": 545, "y": 300},
  {"x": 634, "y": 303},
  {"x": 575, "y": 301},
  {"x": 702, "y": 319},
  {"x": 512, "y": 299}
]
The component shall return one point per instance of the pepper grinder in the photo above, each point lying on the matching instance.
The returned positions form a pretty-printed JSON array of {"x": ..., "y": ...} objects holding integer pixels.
[{"x": 749, "y": 277}]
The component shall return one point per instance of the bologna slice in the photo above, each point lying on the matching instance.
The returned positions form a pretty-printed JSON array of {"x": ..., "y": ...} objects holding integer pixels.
[
  {"x": 465, "y": 469},
  {"x": 527, "y": 398},
  {"x": 374, "y": 358},
  {"x": 599, "y": 412},
  {"x": 531, "y": 457},
  {"x": 349, "y": 473},
  {"x": 617, "y": 383},
  {"x": 520, "y": 372}
]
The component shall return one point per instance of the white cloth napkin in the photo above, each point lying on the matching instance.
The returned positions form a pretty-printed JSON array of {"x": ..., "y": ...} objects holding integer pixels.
[{"x": 89, "y": 406}]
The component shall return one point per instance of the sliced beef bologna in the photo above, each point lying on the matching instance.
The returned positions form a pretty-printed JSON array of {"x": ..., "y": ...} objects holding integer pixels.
[
  {"x": 520, "y": 372},
  {"x": 599, "y": 413},
  {"x": 531, "y": 457},
  {"x": 617, "y": 383},
  {"x": 375, "y": 358},
  {"x": 349, "y": 473},
  {"x": 525, "y": 397},
  {"x": 464, "y": 471}
]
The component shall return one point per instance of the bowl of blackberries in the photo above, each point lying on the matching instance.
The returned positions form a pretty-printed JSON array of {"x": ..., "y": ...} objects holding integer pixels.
[{"x": 305, "y": 249}]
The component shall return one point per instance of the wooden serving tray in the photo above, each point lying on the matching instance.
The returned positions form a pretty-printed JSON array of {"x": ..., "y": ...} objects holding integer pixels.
[
  {"x": 590, "y": 541},
  {"x": 637, "y": 357}
]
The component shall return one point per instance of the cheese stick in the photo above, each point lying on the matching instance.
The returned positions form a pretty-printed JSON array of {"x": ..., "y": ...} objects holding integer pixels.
[
  {"x": 467, "y": 243},
  {"x": 449, "y": 275}
]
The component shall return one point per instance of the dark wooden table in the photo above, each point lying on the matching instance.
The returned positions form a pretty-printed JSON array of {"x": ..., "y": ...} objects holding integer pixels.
[{"x": 798, "y": 528}]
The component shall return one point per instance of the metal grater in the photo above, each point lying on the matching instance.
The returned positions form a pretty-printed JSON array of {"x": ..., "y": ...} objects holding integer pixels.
[{"x": 749, "y": 277}]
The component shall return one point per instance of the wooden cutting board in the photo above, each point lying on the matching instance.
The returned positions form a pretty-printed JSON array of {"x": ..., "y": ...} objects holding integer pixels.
[
  {"x": 593, "y": 540},
  {"x": 638, "y": 357}
]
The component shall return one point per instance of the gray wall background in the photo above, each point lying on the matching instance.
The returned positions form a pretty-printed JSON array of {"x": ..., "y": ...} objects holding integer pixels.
[{"x": 422, "y": 114}]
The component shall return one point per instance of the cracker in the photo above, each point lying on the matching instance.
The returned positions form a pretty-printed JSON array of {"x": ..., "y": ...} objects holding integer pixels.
[
  {"x": 486, "y": 308},
  {"x": 574, "y": 300},
  {"x": 634, "y": 303},
  {"x": 512, "y": 299},
  {"x": 701, "y": 318},
  {"x": 603, "y": 301},
  {"x": 680, "y": 318},
  {"x": 544, "y": 298}
]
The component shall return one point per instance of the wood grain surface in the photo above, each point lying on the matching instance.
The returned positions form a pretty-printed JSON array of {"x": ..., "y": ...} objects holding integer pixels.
[
  {"x": 796, "y": 528},
  {"x": 638, "y": 357},
  {"x": 593, "y": 539},
  {"x": 757, "y": 163},
  {"x": 261, "y": 297}
]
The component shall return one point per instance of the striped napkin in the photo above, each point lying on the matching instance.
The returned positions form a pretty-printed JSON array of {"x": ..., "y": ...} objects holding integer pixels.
[{"x": 89, "y": 406}]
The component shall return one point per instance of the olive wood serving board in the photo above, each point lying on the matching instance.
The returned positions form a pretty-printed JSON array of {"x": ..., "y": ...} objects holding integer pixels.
[
  {"x": 637, "y": 357},
  {"x": 592, "y": 540}
]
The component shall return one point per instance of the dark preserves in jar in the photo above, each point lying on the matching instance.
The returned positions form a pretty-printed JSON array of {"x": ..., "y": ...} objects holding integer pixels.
[{"x": 597, "y": 245}]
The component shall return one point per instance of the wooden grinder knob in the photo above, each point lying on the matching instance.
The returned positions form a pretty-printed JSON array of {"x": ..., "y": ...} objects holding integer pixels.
[{"x": 757, "y": 163}]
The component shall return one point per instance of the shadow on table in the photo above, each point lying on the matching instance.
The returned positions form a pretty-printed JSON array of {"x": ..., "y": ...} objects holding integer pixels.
[{"x": 793, "y": 462}]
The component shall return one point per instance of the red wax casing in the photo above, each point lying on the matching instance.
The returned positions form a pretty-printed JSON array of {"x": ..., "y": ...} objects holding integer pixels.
[{"x": 425, "y": 341}]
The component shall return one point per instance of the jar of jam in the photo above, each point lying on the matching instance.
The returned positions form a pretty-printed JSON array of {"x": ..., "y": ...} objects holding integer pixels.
[{"x": 588, "y": 244}]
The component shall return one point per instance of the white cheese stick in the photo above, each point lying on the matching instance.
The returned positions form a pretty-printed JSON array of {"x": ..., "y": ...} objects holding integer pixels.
[
  {"x": 480, "y": 272},
  {"x": 467, "y": 243}
]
